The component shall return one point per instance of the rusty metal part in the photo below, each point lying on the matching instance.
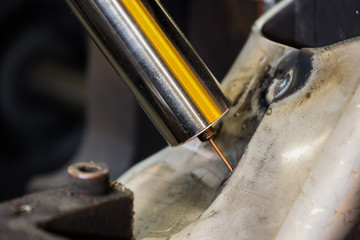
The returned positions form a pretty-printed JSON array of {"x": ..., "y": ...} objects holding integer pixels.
[
  {"x": 62, "y": 214},
  {"x": 88, "y": 178}
]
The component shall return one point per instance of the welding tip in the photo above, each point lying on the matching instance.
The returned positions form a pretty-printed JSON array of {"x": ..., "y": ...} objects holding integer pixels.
[
  {"x": 221, "y": 154},
  {"x": 207, "y": 135}
]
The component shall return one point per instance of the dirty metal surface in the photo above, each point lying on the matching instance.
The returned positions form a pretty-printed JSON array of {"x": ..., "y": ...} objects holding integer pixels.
[
  {"x": 293, "y": 133},
  {"x": 175, "y": 186},
  {"x": 61, "y": 214},
  {"x": 299, "y": 176}
]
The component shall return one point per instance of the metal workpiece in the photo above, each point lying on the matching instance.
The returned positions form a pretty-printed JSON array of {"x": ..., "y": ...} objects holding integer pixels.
[
  {"x": 162, "y": 70},
  {"x": 88, "y": 178},
  {"x": 299, "y": 162},
  {"x": 63, "y": 214}
]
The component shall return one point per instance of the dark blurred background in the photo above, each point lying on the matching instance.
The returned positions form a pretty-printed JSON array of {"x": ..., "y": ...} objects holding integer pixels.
[{"x": 60, "y": 101}]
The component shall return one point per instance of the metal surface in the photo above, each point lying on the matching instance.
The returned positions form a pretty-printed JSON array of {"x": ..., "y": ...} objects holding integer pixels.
[
  {"x": 299, "y": 175},
  {"x": 88, "y": 178},
  {"x": 148, "y": 51},
  {"x": 163, "y": 210},
  {"x": 66, "y": 214},
  {"x": 174, "y": 187}
]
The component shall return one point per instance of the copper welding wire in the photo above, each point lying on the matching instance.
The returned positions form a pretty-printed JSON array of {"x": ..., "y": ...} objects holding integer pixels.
[{"x": 221, "y": 155}]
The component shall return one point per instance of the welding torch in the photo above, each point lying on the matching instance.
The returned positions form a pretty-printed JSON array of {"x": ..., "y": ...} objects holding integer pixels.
[{"x": 149, "y": 52}]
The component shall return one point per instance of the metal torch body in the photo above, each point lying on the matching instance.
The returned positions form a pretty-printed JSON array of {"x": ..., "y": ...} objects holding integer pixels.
[{"x": 162, "y": 70}]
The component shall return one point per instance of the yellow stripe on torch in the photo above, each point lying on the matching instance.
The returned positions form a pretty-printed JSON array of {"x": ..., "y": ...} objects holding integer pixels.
[{"x": 173, "y": 60}]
